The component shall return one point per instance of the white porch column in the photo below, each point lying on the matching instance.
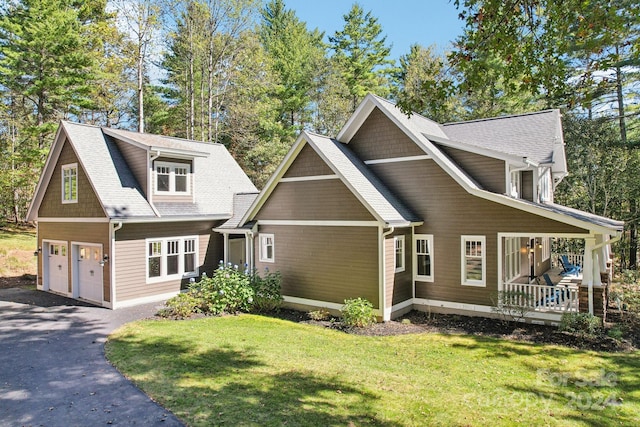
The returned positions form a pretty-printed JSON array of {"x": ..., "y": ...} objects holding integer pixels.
[
  {"x": 225, "y": 246},
  {"x": 588, "y": 268}
]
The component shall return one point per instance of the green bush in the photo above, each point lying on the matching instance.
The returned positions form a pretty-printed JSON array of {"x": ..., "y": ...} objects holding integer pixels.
[
  {"x": 358, "y": 313},
  {"x": 228, "y": 291},
  {"x": 319, "y": 315},
  {"x": 581, "y": 323},
  {"x": 182, "y": 305},
  {"x": 267, "y": 297}
]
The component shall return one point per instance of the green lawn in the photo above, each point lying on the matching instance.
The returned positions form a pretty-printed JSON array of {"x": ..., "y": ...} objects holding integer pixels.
[
  {"x": 16, "y": 252},
  {"x": 259, "y": 371}
]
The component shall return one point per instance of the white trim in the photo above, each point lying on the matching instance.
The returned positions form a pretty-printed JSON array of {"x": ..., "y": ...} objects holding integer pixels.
[
  {"x": 73, "y": 219},
  {"x": 482, "y": 151},
  {"x": 172, "y": 166},
  {"x": 144, "y": 300},
  {"x": 313, "y": 303},
  {"x": 261, "y": 248},
  {"x": 309, "y": 178},
  {"x": 396, "y": 239},
  {"x": 397, "y": 159},
  {"x": 404, "y": 304},
  {"x": 321, "y": 223},
  {"x": 454, "y": 305},
  {"x": 463, "y": 256},
  {"x": 414, "y": 252},
  {"x": 172, "y": 152},
  {"x": 63, "y": 168}
]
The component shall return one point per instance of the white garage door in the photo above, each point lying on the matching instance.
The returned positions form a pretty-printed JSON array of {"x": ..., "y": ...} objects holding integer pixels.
[
  {"x": 58, "y": 268},
  {"x": 90, "y": 273}
]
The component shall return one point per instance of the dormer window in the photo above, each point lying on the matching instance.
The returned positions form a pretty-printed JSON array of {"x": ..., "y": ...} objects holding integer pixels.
[{"x": 172, "y": 178}]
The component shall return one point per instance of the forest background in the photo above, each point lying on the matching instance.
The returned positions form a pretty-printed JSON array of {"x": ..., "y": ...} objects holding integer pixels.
[{"x": 250, "y": 75}]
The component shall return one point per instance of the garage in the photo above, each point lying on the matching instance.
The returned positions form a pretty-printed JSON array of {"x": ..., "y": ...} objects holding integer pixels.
[
  {"x": 57, "y": 267},
  {"x": 88, "y": 269}
]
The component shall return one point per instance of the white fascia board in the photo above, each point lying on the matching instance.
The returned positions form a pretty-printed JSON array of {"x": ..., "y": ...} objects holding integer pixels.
[
  {"x": 475, "y": 149},
  {"x": 150, "y": 220},
  {"x": 357, "y": 119},
  {"x": 175, "y": 152}
]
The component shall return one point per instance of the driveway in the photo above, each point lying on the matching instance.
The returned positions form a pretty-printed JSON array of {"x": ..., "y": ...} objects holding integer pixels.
[{"x": 52, "y": 366}]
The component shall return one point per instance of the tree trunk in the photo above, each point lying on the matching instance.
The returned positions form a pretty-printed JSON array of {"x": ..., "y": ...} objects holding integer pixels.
[{"x": 140, "y": 87}]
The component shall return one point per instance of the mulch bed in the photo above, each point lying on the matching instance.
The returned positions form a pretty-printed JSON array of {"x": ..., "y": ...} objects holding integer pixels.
[{"x": 416, "y": 322}]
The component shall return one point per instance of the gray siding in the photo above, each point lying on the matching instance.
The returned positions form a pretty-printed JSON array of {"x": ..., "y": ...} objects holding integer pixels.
[
  {"x": 450, "y": 212},
  {"x": 137, "y": 160},
  {"x": 313, "y": 200},
  {"x": 131, "y": 256},
  {"x": 486, "y": 171},
  {"x": 88, "y": 204},
  {"x": 398, "y": 286},
  {"x": 308, "y": 163},
  {"x": 324, "y": 263},
  {"x": 380, "y": 138},
  {"x": 97, "y": 233}
]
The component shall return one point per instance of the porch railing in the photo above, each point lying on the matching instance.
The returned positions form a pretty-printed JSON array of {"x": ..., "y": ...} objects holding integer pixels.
[
  {"x": 559, "y": 298},
  {"x": 575, "y": 259}
]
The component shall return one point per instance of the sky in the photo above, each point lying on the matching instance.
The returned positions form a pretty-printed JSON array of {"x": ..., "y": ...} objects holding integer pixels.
[{"x": 404, "y": 22}]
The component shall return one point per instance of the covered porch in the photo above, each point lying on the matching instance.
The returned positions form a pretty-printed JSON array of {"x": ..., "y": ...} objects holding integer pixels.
[{"x": 548, "y": 282}]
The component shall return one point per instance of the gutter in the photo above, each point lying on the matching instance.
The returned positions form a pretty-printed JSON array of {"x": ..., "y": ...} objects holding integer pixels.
[{"x": 112, "y": 259}]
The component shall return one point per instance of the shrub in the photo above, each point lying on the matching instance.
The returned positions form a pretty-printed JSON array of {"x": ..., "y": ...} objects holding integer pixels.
[
  {"x": 512, "y": 305},
  {"x": 267, "y": 297},
  {"x": 228, "y": 290},
  {"x": 358, "y": 313},
  {"x": 182, "y": 305},
  {"x": 319, "y": 315},
  {"x": 580, "y": 323}
]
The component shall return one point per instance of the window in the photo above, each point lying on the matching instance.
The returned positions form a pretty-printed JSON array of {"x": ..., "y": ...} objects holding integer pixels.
[
  {"x": 545, "y": 187},
  {"x": 473, "y": 260},
  {"x": 172, "y": 178},
  {"x": 515, "y": 185},
  {"x": 546, "y": 248},
  {"x": 398, "y": 242},
  {"x": 171, "y": 258},
  {"x": 70, "y": 183},
  {"x": 511, "y": 258},
  {"x": 423, "y": 257},
  {"x": 266, "y": 248}
]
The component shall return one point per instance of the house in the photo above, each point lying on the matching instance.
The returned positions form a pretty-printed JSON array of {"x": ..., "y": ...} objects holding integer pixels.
[
  {"x": 125, "y": 218},
  {"x": 412, "y": 214}
]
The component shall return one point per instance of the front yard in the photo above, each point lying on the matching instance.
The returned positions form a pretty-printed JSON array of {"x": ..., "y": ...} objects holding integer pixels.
[{"x": 254, "y": 370}]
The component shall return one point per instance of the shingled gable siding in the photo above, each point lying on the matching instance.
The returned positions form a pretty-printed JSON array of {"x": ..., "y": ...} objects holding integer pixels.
[
  {"x": 450, "y": 212},
  {"x": 313, "y": 200},
  {"x": 131, "y": 255},
  {"x": 398, "y": 286},
  {"x": 136, "y": 158},
  {"x": 327, "y": 264},
  {"x": 94, "y": 233},
  {"x": 380, "y": 138},
  {"x": 488, "y": 172},
  {"x": 308, "y": 163},
  {"x": 88, "y": 204}
]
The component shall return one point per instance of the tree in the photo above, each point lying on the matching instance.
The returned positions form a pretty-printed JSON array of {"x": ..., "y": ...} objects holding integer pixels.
[
  {"x": 362, "y": 55},
  {"x": 296, "y": 55},
  {"x": 423, "y": 85}
]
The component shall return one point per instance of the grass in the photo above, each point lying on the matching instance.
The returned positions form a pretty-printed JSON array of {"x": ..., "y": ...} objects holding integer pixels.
[
  {"x": 16, "y": 251},
  {"x": 259, "y": 371}
]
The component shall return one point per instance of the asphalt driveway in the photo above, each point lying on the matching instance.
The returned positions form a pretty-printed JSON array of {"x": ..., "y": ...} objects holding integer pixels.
[{"x": 52, "y": 366}]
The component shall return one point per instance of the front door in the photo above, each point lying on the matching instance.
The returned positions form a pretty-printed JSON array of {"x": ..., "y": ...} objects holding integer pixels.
[
  {"x": 90, "y": 273},
  {"x": 58, "y": 268}
]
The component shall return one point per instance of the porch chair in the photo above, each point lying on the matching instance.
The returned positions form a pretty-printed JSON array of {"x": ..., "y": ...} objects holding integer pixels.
[
  {"x": 569, "y": 269},
  {"x": 557, "y": 297}
]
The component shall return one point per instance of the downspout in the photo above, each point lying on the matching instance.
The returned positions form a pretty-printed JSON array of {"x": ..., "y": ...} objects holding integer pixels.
[
  {"x": 112, "y": 260},
  {"x": 153, "y": 157},
  {"x": 383, "y": 275}
]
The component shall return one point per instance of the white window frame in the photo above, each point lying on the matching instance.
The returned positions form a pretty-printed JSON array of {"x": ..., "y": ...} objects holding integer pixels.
[
  {"x": 398, "y": 249},
  {"x": 483, "y": 257},
  {"x": 546, "y": 248},
  {"x": 264, "y": 244},
  {"x": 429, "y": 239},
  {"x": 512, "y": 264},
  {"x": 545, "y": 186},
  {"x": 172, "y": 177},
  {"x": 69, "y": 179},
  {"x": 164, "y": 253},
  {"x": 515, "y": 184}
]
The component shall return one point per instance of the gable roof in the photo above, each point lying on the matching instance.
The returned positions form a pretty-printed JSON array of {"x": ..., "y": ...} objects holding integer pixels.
[
  {"x": 217, "y": 175},
  {"x": 414, "y": 127},
  {"x": 352, "y": 171}
]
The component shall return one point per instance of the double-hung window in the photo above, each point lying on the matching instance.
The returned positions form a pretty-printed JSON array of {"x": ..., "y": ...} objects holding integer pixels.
[
  {"x": 423, "y": 257},
  {"x": 511, "y": 258},
  {"x": 398, "y": 242},
  {"x": 267, "y": 248},
  {"x": 474, "y": 257},
  {"x": 171, "y": 258},
  {"x": 70, "y": 183},
  {"x": 172, "y": 178}
]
